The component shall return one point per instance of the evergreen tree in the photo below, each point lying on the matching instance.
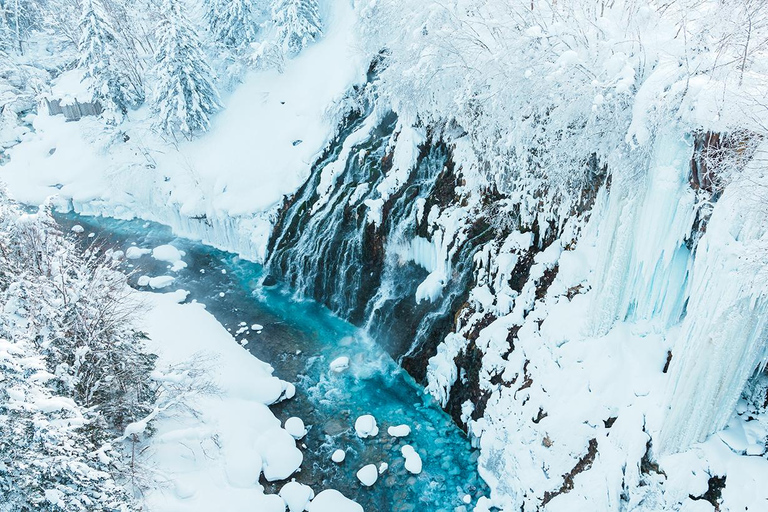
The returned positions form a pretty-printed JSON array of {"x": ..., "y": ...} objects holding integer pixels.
[
  {"x": 185, "y": 96},
  {"x": 298, "y": 24},
  {"x": 232, "y": 22},
  {"x": 98, "y": 59}
]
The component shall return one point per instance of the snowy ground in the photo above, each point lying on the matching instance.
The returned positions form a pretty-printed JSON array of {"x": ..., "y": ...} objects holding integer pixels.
[
  {"x": 216, "y": 455},
  {"x": 259, "y": 148}
]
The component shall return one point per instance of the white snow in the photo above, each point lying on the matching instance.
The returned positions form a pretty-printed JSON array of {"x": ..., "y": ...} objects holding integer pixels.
[
  {"x": 399, "y": 431},
  {"x": 295, "y": 427},
  {"x": 333, "y": 501},
  {"x": 77, "y": 228},
  {"x": 338, "y": 456},
  {"x": 368, "y": 475},
  {"x": 280, "y": 457},
  {"x": 412, "y": 459},
  {"x": 208, "y": 474},
  {"x": 365, "y": 426},
  {"x": 296, "y": 496},
  {"x": 143, "y": 281},
  {"x": 222, "y": 187},
  {"x": 134, "y": 253},
  {"x": 169, "y": 254},
  {"x": 159, "y": 282}
]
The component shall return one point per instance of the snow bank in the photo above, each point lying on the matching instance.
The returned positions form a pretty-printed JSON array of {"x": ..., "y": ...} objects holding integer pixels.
[
  {"x": 209, "y": 474},
  {"x": 296, "y": 496}
]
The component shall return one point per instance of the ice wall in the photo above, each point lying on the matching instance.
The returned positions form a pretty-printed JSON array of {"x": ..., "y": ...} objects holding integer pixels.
[
  {"x": 723, "y": 336},
  {"x": 640, "y": 238},
  {"x": 245, "y": 235}
]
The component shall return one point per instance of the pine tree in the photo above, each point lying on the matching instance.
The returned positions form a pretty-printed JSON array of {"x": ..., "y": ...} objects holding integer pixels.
[
  {"x": 185, "y": 96},
  {"x": 97, "y": 49},
  {"x": 232, "y": 22},
  {"x": 298, "y": 24}
]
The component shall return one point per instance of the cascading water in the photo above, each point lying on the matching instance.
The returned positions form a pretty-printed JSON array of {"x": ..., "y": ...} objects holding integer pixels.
[{"x": 366, "y": 247}]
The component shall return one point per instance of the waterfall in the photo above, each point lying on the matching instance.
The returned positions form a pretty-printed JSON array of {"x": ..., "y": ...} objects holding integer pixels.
[{"x": 362, "y": 236}]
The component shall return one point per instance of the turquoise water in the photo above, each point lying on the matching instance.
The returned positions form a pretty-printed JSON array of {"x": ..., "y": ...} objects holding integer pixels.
[{"x": 300, "y": 339}]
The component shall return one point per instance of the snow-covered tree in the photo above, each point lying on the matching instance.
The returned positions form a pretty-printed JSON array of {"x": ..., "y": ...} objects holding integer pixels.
[
  {"x": 97, "y": 50},
  {"x": 298, "y": 24},
  {"x": 232, "y": 22},
  {"x": 73, "y": 374},
  {"x": 185, "y": 95},
  {"x": 17, "y": 18}
]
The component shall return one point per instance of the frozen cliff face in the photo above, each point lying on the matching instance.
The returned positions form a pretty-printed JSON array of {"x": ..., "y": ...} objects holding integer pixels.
[
  {"x": 722, "y": 340},
  {"x": 588, "y": 366}
]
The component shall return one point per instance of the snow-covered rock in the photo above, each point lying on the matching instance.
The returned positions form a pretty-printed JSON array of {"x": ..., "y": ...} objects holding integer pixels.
[
  {"x": 159, "y": 282},
  {"x": 365, "y": 426},
  {"x": 399, "y": 431},
  {"x": 331, "y": 500},
  {"x": 296, "y": 496},
  {"x": 280, "y": 456},
  {"x": 169, "y": 254},
  {"x": 339, "y": 364},
  {"x": 295, "y": 427},
  {"x": 338, "y": 456},
  {"x": 412, "y": 459},
  {"x": 368, "y": 475},
  {"x": 134, "y": 253}
]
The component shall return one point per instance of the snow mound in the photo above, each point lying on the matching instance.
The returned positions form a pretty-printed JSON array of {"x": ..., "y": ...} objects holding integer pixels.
[
  {"x": 333, "y": 501},
  {"x": 368, "y": 475},
  {"x": 297, "y": 496},
  {"x": 134, "y": 253},
  {"x": 338, "y": 456},
  {"x": 295, "y": 427},
  {"x": 412, "y": 459},
  {"x": 399, "y": 431},
  {"x": 280, "y": 457},
  {"x": 159, "y": 282},
  {"x": 365, "y": 426},
  {"x": 169, "y": 254}
]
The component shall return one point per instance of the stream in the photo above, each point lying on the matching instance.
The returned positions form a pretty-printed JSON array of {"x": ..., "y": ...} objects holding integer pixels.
[{"x": 299, "y": 339}]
